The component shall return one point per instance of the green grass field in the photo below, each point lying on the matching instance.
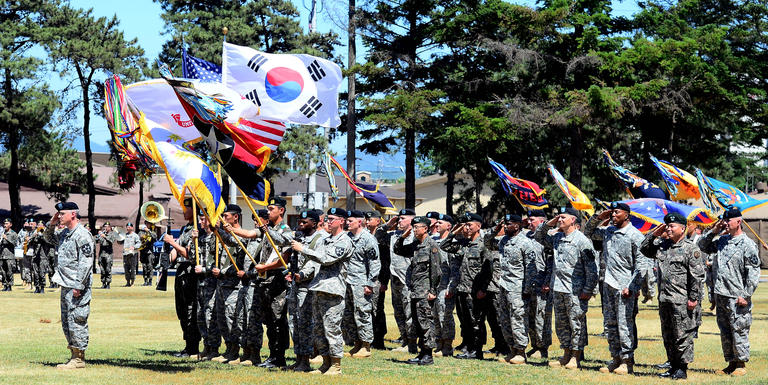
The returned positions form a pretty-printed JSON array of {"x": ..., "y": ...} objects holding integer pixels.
[{"x": 134, "y": 330}]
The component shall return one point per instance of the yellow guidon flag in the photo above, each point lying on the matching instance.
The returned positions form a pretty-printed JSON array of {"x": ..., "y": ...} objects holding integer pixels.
[{"x": 578, "y": 199}]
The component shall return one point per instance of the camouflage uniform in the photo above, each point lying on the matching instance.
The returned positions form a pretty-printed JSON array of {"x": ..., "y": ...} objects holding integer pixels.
[
  {"x": 228, "y": 287},
  {"x": 26, "y": 261},
  {"x": 362, "y": 270},
  {"x": 401, "y": 302},
  {"x": 76, "y": 252},
  {"x": 206, "y": 291},
  {"x": 7, "y": 256},
  {"x": 623, "y": 270},
  {"x": 106, "y": 242},
  {"x": 474, "y": 275},
  {"x": 245, "y": 294},
  {"x": 445, "y": 325},
  {"x": 680, "y": 271},
  {"x": 41, "y": 248},
  {"x": 129, "y": 257},
  {"x": 329, "y": 288},
  {"x": 302, "y": 301},
  {"x": 540, "y": 304},
  {"x": 379, "y": 317},
  {"x": 146, "y": 255},
  {"x": 516, "y": 278},
  {"x": 185, "y": 290},
  {"x": 574, "y": 272},
  {"x": 736, "y": 273}
]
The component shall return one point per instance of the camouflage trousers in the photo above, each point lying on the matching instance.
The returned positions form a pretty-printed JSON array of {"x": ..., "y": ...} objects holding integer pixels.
[
  {"x": 146, "y": 271},
  {"x": 540, "y": 319},
  {"x": 206, "y": 314},
  {"x": 242, "y": 311},
  {"x": 401, "y": 305},
  {"x": 301, "y": 309},
  {"x": 423, "y": 325},
  {"x": 619, "y": 322},
  {"x": 74, "y": 317},
  {"x": 511, "y": 308},
  {"x": 571, "y": 321},
  {"x": 269, "y": 310},
  {"x": 6, "y": 270},
  {"x": 327, "y": 311},
  {"x": 225, "y": 304},
  {"x": 734, "y": 322},
  {"x": 39, "y": 270},
  {"x": 105, "y": 265},
  {"x": 473, "y": 313},
  {"x": 358, "y": 314},
  {"x": 129, "y": 266},
  {"x": 445, "y": 325},
  {"x": 26, "y": 268},
  {"x": 677, "y": 327},
  {"x": 648, "y": 280}
]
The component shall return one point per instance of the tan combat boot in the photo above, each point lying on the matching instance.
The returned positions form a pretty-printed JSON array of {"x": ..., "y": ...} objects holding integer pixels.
[
  {"x": 76, "y": 362},
  {"x": 212, "y": 353},
  {"x": 518, "y": 357},
  {"x": 740, "y": 369},
  {"x": 727, "y": 370},
  {"x": 625, "y": 368},
  {"x": 335, "y": 368},
  {"x": 573, "y": 363},
  {"x": 239, "y": 359},
  {"x": 318, "y": 359},
  {"x": 355, "y": 349},
  {"x": 439, "y": 348},
  {"x": 324, "y": 367},
  {"x": 563, "y": 360},
  {"x": 364, "y": 352},
  {"x": 254, "y": 358},
  {"x": 611, "y": 365},
  {"x": 199, "y": 356},
  {"x": 223, "y": 357}
]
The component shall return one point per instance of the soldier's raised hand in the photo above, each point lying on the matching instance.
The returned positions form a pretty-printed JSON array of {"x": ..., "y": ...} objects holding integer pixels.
[{"x": 660, "y": 229}]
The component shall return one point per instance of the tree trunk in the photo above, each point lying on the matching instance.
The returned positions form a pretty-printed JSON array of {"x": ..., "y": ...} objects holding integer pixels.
[
  {"x": 449, "y": 185},
  {"x": 351, "y": 116},
  {"x": 141, "y": 202},
  {"x": 13, "y": 171},
  {"x": 575, "y": 156},
  {"x": 85, "y": 83},
  {"x": 478, "y": 182},
  {"x": 410, "y": 133}
]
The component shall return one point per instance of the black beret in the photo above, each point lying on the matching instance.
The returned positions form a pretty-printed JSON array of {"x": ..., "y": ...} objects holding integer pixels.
[
  {"x": 571, "y": 211},
  {"x": 537, "y": 213},
  {"x": 310, "y": 214},
  {"x": 276, "y": 201},
  {"x": 422, "y": 220},
  {"x": 106, "y": 224},
  {"x": 355, "y": 214},
  {"x": 732, "y": 212},
  {"x": 7, "y": 220},
  {"x": 233, "y": 208},
  {"x": 187, "y": 202},
  {"x": 620, "y": 206},
  {"x": 433, "y": 214},
  {"x": 263, "y": 213},
  {"x": 61, "y": 206},
  {"x": 373, "y": 214},
  {"x": 513, "y": 218},
  {"x": 129, "y": 224},
  {"x": 472, "y": 217},
  {"x": 447, "y": 218},
  {"x": 407, "y": 212},
  {"x": 675, "y": 218},
  {"x": 339, "y": 212}
]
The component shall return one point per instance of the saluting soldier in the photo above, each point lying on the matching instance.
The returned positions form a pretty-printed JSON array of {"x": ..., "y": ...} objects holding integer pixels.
[
  {"x": 680, "y": 271},
  {"x": 398, "y": 267},
  {"x": 736, "y": 273},
  {"x": 445, "y": 325},
  {"x": 375, "y": 226},
  {"x": 106, "y": 239},
  {"x": 541, "y": 302},
  {"x": 73, "y": 273},
  {"x": 131, "y": 246},
  {"x": 623, "y": 272},
  {"x": 574, "y": 277},
  {"x": 329, "y": 289},
  {"x": 8, "y": 243}
]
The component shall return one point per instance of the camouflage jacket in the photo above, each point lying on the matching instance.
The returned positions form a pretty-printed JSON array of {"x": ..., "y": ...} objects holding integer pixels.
[
  {"x": 517, "y": 263},
  {"x": 332, "y": 255},
  {"x": 131, "y": 244},
  {"x": 680, "y": 268},
  {"x": 105, "y": 242},
  {"x": 364, "y": 265},
  {"x": 305, "y": 267},
  {"x": 624, "y": 263},
  {"x": 735, "y": 264},
  {"x": 425, "y": 265},
  {"x": 476, "y": 262},
  {"x": 398, "y": 264},
  {"x": 76, "y": 252},
  {"x": 573, "y": 270},
  {"x": 543, "y": 263},
  {"x": 8, "y": 244}
]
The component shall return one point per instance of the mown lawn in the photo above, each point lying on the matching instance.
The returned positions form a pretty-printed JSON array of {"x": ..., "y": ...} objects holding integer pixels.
[{"x": 134, "y": 330}]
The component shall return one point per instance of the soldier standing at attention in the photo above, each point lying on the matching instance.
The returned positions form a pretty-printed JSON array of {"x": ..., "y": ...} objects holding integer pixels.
[
  {"x": 131, "y": 246},
  {"x": 398, "y": 266},
  {"x": 623, "y": 273},
  {"x": 73, "y": 273},
  {"x": 362, "y": 275},
  {"x": 329, "y": 288},
  {"x": 445, "y": 326},
  {"x": 374, "y": 225},
  {"x": 8, "y": 256},
  {"x": 106, "y": 239},
  {"x": 206, "y": 289},
  {"x": 736, "y": 273},
  {"x": 574, "y": 277},
  {"x": 680, "y": 291},
  {"x": 540, "y": 303},
  {"x": 425, "y": 270}
]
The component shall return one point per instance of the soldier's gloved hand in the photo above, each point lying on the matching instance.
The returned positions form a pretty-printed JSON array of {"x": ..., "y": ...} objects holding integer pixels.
[{"x": 741, "y": 302}]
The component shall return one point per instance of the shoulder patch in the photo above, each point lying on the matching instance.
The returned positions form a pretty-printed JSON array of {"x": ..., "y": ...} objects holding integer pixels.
[
  {"x": 754, "y": 259},
  {"x": 86, "y": 248},
  {"x": 340, "y": 251}
]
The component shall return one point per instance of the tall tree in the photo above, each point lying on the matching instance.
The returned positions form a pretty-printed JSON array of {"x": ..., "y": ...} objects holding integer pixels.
[{"x": 87, "y": 49}]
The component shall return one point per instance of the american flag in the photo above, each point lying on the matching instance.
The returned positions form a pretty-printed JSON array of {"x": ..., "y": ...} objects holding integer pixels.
[{"x": 194, "y": 68}]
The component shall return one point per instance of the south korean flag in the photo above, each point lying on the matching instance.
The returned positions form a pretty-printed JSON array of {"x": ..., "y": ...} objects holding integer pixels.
[{"x": 300, "y": 89}]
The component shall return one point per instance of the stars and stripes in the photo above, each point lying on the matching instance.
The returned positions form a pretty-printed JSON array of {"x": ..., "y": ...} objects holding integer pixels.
[{"x": 195, "y": 68}]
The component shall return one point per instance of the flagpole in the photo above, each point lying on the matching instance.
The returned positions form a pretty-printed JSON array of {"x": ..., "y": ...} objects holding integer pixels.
[
  {"x": 218, "y": 237},
  {"x": 762, "y": 242},
  {"x": 258, "y": 220},
  {"x": 194, "y": 220}
]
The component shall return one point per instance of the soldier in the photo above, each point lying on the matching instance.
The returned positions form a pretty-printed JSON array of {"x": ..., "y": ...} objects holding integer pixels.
[
  {"x": 423, "y": 285},
  {"x": 398, "y": 267},
  {"x": 361, "y": 281},
  {"x": 7, "y": 257},
  {"x": 131, "y": 246},
  {"x": 623, "y": 271},
  {"x": 146, "y": 255},
  {"x": 185, "y": 285},
  {"x": 206, "y": 289},
  {"x": 574, "y": 277},
  {"x": 736, "y": 273},
  {"x": 245, "y": 299},
  {"x": 445, "y": 328},
  {"x": 516, "y": 276},
  {"x": 680, "y": 271},
  {"x": 73, "y": 274},
  {"x": 374, "y": 225},
  {"x": 475, "y": 277},
  {"x": 25, "y": 234},
  {"x": 329, "y": 288},
  {"x": 105, "y": 239},
  {"x": 39, "y": 257},
  {"x": 302, "y": 272},
  {"x": 541, "y": 301}
]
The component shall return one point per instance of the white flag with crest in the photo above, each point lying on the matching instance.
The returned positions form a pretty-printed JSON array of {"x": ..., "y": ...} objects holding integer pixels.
[{"x": 300, "y": 89}]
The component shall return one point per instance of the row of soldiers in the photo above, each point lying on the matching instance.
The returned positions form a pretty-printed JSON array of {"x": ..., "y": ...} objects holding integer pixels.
[
  {"x": 138, "y": 247},
  {"x": 27, "y": 252}
]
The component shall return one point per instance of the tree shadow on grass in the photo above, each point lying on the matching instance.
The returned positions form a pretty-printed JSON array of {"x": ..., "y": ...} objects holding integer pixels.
[{"x": 152, "y": 352}]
